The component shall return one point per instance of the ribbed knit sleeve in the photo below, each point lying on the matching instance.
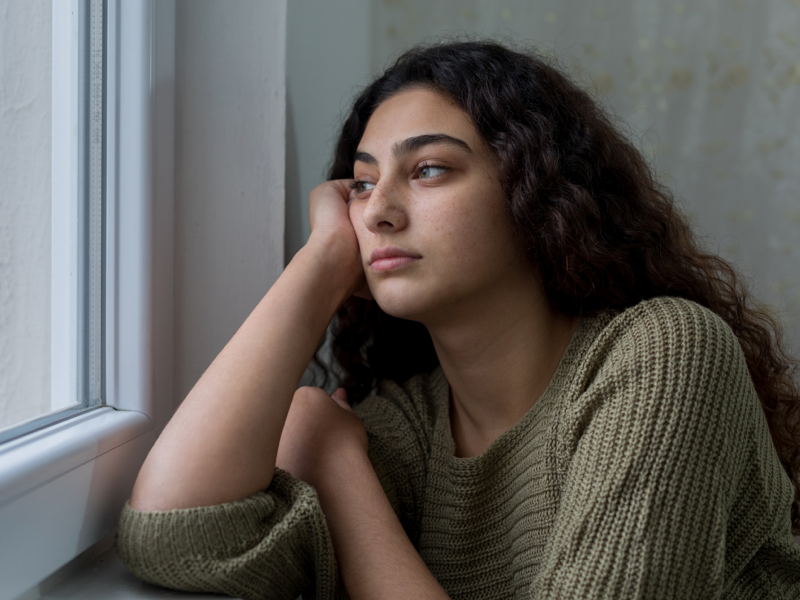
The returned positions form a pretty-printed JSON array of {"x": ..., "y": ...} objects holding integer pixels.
[
  {"x": 672, "y": 484},
  {"x": 274, "y": 544}
]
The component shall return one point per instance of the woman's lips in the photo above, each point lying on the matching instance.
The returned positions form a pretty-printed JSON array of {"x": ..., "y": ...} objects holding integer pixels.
[{"x": 387, "y": 258}]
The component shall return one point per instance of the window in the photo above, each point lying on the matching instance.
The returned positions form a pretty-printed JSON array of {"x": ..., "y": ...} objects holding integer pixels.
[
  {"x": 92, "y": 230},
  {"x": 66, "y": 328}
]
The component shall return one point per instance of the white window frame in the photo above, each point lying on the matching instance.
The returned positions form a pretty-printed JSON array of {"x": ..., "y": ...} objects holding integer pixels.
[{"x": 62, "y": 487}]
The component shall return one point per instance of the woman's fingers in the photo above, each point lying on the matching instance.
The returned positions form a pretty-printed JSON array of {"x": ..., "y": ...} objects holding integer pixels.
[
  {"x": 329, "y": 216},
  {"x": 332, "y": 233},
  {"x": 328, "y": 201},
  {"x": 340, "y": 397}
]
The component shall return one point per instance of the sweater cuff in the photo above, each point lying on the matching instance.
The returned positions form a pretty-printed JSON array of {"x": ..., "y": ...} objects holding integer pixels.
[{"x": 270, "y": 544}]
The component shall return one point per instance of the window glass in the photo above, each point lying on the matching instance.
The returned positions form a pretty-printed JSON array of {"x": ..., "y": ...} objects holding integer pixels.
[{"x": 51, "y": 211}]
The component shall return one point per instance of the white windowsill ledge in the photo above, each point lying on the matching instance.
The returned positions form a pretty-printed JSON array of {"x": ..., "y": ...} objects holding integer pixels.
[
  {"x": 62, "y": 490},
  {"x": 38, "y": 457}
]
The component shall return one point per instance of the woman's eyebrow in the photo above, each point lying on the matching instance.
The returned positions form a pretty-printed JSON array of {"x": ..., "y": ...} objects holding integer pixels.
[{"x": 408, "y": 145}]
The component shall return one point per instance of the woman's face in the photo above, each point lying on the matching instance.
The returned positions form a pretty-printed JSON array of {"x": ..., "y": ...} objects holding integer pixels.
[{"x": 435, "y": 238}]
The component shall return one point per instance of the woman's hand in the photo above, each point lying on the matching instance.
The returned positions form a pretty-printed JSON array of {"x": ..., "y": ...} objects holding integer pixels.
[
  {"x": 324, "y": 443},
  {"x": 320, "y": 433},
  {"x": 332, "y": 231}
]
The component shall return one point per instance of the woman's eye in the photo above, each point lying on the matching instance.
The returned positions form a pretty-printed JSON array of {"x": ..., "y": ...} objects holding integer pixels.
[
  {"x": 361, "y": 186},
  {"x": 429, "y": 172}
]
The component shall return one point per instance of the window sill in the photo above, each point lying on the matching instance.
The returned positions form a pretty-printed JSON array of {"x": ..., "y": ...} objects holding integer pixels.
[
  {"x": 62, "y": 489},
  {"x": 103, "y": 577}
]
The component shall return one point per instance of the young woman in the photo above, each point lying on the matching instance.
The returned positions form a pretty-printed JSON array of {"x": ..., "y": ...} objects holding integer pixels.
[{"x": 558, "y": 393}]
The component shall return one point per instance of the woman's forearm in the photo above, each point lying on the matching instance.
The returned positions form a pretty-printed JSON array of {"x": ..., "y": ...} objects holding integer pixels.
[
  {"x": 376, "y": 558},
  {"x": 222, "y": 442}
]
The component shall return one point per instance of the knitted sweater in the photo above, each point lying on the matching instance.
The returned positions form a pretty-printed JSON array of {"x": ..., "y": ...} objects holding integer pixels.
[{"x": 645, "y": 470}]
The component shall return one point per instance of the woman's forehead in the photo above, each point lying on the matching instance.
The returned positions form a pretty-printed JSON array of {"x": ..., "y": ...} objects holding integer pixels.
[{"x": 414, "y": 114}]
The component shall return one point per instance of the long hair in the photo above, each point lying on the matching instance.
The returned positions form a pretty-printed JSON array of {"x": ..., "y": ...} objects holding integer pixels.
[{"x": 595, "y": 222}]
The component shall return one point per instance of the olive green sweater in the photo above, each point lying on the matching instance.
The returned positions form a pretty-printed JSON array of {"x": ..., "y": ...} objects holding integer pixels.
[{"x": 645, "y": 470}]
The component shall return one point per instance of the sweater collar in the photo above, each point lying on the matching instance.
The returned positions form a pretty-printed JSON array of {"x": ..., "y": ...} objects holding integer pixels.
[{"x": 562, "y": 381}]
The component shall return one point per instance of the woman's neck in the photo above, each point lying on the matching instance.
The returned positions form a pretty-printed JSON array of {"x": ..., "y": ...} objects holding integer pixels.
[{"x": 498, "y": 361}]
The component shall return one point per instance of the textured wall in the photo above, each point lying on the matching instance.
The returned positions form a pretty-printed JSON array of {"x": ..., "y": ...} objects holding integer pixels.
[
  {"x": 25, "y": 107},
  {"x": 711, "y": 91},
  {"x": 229, "y": 171}
]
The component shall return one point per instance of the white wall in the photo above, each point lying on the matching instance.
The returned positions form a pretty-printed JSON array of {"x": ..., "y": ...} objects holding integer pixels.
[
  {"x": 229, "y": 171},
  {"x": 25, "y": 119}
]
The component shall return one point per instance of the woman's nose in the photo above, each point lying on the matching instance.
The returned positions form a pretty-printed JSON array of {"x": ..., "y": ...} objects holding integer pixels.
[{"x": 385, "y": 210}]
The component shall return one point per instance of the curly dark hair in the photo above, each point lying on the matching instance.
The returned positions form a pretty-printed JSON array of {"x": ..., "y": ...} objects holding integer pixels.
[{"x": 599, "y": 227}]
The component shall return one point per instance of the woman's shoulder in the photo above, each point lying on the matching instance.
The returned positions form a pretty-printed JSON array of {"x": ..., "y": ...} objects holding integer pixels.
[
  {"x": 655, "y": 338},
  {"x": 674, "y": 329},
  {"x": 659, "y": 352},
  {"x": 670, "y": 314},
  {"x": 662, "y": 352},
  {"x": 665, "y": 365}
]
